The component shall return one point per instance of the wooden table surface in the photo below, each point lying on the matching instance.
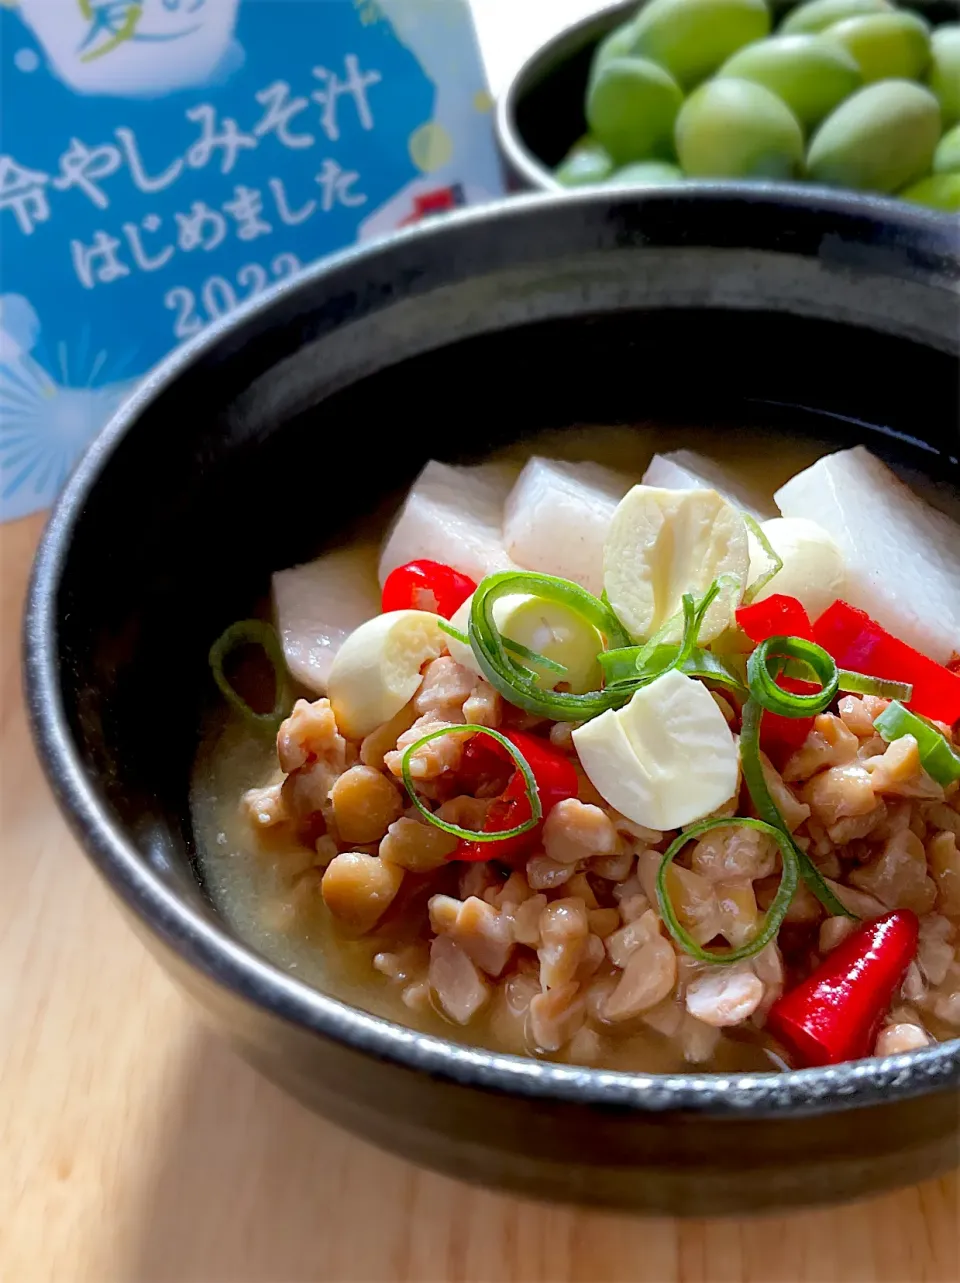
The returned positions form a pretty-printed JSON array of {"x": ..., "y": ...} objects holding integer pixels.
[{"x": 134, "y": 1148}]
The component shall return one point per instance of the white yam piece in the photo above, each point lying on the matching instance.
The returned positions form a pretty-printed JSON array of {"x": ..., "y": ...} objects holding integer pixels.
[
  {"x": 558, "y": 516},
  {"x": 687, "y": 470},
  {"x": 453, "y": 514},
  {"x": 319, "y": 604},
  {"x": 902, "y": 555}
]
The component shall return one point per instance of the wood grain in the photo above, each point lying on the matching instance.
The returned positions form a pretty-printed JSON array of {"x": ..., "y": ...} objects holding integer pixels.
[{"x": 135, "y": 1148}]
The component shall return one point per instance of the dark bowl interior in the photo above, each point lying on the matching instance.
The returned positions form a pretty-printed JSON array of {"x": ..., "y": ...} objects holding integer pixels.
[
  {"x": 276, "y": 433},
  {"x": 541, "y": 114}
]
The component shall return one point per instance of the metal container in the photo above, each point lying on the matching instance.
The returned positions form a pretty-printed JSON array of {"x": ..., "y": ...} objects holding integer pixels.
[{"x": 540, "y": 114}]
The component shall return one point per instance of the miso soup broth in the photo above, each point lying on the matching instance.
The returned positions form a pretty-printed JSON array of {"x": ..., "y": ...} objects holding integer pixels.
[{"x": 557, "y": 942}]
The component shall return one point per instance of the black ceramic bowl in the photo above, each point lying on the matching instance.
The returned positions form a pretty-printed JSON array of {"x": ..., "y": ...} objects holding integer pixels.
[
  {"x": 540, "y": 113},
  {"x": 279, "y": 427}
]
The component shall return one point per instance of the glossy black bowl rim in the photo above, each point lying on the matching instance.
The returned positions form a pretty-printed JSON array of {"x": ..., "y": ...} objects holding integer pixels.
[
  {"x": 205, "y": 946},
  {"x": 524, "y": 165}
]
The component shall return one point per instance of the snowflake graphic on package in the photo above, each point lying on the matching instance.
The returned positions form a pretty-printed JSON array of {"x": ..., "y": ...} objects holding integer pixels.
[
  {"x": 166, "y": 161},
  {"x": 48, "y": 410}
]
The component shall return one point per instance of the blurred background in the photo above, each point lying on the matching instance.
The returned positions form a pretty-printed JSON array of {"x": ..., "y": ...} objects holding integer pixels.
[{"x": 166, "y": 160}]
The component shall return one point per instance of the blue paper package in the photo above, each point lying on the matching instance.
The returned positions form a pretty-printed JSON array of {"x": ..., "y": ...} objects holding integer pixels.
[{"x": 165, "y": 160}]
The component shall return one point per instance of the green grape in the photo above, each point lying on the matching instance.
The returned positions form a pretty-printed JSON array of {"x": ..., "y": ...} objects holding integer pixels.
[
  {"x": 736, "y": 129},
  {"x": 944, "y": 75},
  {"x": 691, "y": 38},
  {"x": 817, "y": 15},
  {"x": 586, "y": 162},
  {"x": 946, "y": 159},
  {"x": 646, "y": 173},
  {"x": 618, "y": 44},
  {"x": 811, "y": 74},
  {"x": 631, "y": 107},
  {"x": 881, "y": 139},
  {"x": 938, "y": 191},
  {"x": 886, "y": 46}
]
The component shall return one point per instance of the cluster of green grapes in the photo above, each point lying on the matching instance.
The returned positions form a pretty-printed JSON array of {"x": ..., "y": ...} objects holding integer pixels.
[{"x": 852, "y": 93}]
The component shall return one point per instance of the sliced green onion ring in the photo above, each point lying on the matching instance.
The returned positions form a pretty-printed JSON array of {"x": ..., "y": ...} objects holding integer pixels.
[
  {"x": 517, "y": 648},
  {"x": 446, "y": 627},
  {"x": 645, "y": 671},
  {"x": 776, "y": 562},
  {"x": 718, "y": 672},
  {"x": 692, "y": 612},
  {"x": 854, "y": 683},
  {"x": 669, "y": 626},
  {"x": 692, "y": 627},
  {"x": 534, "y": 657},
  {"x": 937, "y": 758},
  {"x": 769, "y": 811},
  {"x": 619, "y": 667},
  {"x": 693, "y": 616},
  {"x": 519, "y": 685},
  {"x": 861, "y": 684},
  {"x": 252, "y": 632},
  {"x": 630, "y": 667},
  {"x": 471, "y": 835},
  {"x": 763, "y": 684},
  {"x": 773, "y": 918}
]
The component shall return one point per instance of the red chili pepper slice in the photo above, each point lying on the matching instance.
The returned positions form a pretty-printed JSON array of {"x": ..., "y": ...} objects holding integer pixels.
[
  {"x": 426, "y": 585},
  {"x": 835, "y": 1014},
  {"x": 780, "y": 736},
  {"x": 485, "y": 767},
  {"x": 859, "y": 643},
  {"x": 776, "y": 616},
  {"x": 556, "y": 779},
  {"x": 780, "y": 616}
]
